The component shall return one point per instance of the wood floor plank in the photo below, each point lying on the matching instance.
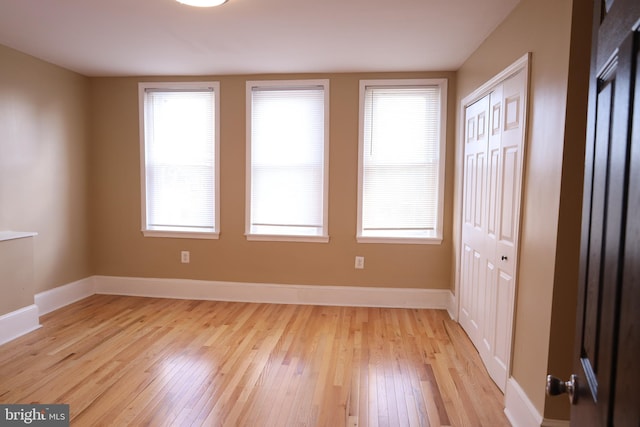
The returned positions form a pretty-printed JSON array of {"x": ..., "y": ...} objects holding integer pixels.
[{"x": 142, "y": 361}]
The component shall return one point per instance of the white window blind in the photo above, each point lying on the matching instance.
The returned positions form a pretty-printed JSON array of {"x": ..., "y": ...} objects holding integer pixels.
[
  {"x": 180, "y": 159},
  {"x": 400, "y": 161},
  {"x": 287, "y": 146}
]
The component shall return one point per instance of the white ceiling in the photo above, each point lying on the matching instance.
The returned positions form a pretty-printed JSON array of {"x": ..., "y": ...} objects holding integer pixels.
[{"x": 163, "y": 37}]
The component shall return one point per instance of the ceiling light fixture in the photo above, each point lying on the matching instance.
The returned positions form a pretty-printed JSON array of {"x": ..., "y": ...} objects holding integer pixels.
[{"x": 202, "y": 3}]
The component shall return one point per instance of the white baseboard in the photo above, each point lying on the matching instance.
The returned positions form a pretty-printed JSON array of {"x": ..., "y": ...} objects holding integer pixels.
[
  {"x": 18, "y": 323},
  {"x": 518, "y": 408},
  {"x": 275, "y": 293},
  {"x": 521, "y": 412},
  {"x": 452, "y": 306},
  {"x": 56, "y": 298}
]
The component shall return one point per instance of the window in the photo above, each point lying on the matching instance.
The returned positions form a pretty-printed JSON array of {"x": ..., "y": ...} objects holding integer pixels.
[
  {"x": 401, "y": 161},
  {"x": 179, "y": 159},
  {"x": 287, "y": 160}
]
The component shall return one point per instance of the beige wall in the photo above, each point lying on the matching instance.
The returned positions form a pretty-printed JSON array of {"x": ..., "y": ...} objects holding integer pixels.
[
  {"x": 543, "y": 28},
  {"x": 43, "y": 167},
  {"x": 121, "y": 250},
  {"x": 16, "y": 274},
  {"x": 565, "y": 290}
]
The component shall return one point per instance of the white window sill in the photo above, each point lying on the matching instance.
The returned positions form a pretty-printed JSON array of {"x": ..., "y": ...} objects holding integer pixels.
[
  {"x": 283, "y": 238},
  {"x": 401, "y": 240},
  {"x": 181, "y": 234}
]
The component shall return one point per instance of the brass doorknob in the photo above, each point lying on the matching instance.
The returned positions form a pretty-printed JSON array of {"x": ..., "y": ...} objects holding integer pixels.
[{"x": 556, "y": 386}]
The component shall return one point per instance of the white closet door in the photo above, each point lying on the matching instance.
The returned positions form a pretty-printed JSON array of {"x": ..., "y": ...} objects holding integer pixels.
[
  {"x": 494, "y": 141},
  {"x": 474, "y": 219}
]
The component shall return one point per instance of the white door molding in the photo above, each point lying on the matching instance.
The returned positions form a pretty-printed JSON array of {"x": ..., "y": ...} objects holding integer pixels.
[{"x": 487, "y": 308}]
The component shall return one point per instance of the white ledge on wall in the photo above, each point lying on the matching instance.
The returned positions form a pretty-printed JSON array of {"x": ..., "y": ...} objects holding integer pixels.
[{"x": 12, "y": 235}]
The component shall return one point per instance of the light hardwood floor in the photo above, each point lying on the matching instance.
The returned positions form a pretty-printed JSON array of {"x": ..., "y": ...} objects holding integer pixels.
[{"x": 144, "y": 361}]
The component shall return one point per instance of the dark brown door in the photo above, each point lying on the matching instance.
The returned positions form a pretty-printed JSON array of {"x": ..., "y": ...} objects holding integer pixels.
[{"x": 607, "y": 358}]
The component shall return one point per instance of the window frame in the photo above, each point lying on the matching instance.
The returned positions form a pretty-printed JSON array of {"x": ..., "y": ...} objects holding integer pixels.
[
  {"x": 436, "y": 239},
  {"x": 178, "y": 86},
  {"x": 287, "y": 85}
]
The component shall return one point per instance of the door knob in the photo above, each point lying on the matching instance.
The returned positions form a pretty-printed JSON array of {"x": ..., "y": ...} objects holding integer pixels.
[
  {"x": 556, "y": 386},
  {"x": 503, "y": 258}
]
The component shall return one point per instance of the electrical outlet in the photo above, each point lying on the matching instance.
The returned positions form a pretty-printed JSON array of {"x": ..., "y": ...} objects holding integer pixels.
[
  {"x": 185, "y": 257},
  {"x": 359, "y": 262}
]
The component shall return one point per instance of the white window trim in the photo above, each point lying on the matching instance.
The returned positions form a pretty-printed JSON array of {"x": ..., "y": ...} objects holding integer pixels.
[
  {"x": 287, "y": 84},
  {"x": 142, "y": 86},
  {"x": 437, "y": 239}
]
